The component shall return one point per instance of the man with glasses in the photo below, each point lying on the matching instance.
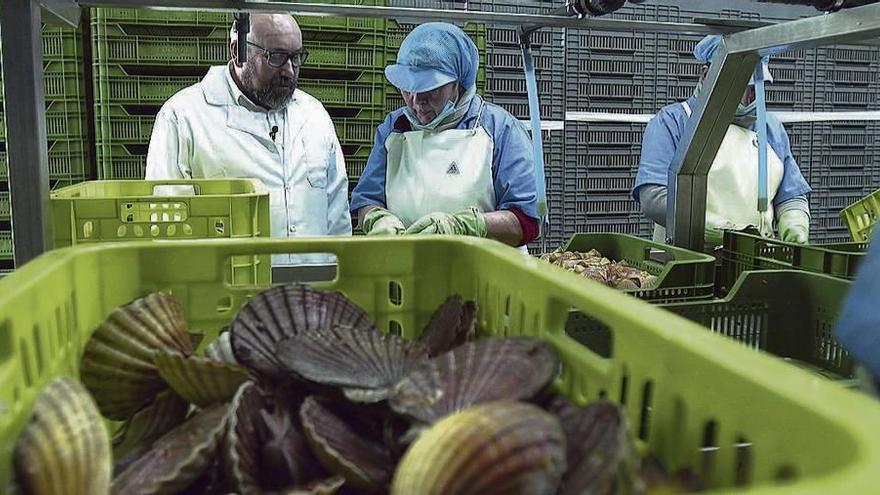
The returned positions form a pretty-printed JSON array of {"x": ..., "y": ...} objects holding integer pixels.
[{"x": 248, "y": 120}]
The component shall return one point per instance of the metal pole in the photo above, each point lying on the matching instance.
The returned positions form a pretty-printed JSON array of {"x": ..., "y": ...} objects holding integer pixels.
[{"x": 27, "y": 158}]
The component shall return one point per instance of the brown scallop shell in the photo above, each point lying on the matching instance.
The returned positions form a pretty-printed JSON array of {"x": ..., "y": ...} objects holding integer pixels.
[
  {"x": 502, "y": 448},
  {"x": 64, "y": 448},
  {"x": 178, "y": 458},
  {"x": 365, "y": 364},
  {"x": 117, "y": 365},
  {"x": 600, "y": 452},
  {"x": 200, "y": 380},
  {"x": 515, "y": 368},
  {"x": 451, "y": 325},
  {"x": 166, "y": 411},
  {"x": 343, "y": 449},
  {"x": 266, "y": 450},
  {"x": 283, "y": 312}
]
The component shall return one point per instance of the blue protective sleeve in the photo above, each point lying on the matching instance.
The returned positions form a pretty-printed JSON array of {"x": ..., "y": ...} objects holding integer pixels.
[{"x": 858, "y": 327}]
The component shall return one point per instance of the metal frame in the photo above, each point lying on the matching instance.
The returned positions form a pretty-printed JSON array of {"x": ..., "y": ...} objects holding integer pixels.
[{"x": 26, "y": 147}]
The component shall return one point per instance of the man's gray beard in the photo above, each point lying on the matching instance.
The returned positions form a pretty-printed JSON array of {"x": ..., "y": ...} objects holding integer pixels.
[{"x": 272, "y": 96}]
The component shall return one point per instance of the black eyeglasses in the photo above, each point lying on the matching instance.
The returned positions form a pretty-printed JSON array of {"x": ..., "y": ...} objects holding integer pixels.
[{"x": 278, "y": 59}]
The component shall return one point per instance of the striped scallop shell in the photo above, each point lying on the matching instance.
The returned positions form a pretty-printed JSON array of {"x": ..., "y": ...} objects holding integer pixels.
[
  {"x": 117, "y": 365},
  {"x": 200, "y": 380},
  {"x": 266, "y": 450},
  {"x": 344, "y": 449},
  {"x": 178, "y": 458},
  {"x": 161, "y": 415},
  {"x": 283, "y": 312},
  {"x": 601, "y": 456},
  {"x": 65, "y": 447},
  {"x": 366, "y": 364},
  {"x": 451, "y": 325},
  {"x": 502, "y": 448},
  {"x": 221, "y": 350},
  {"x": 514, "y": 368}
]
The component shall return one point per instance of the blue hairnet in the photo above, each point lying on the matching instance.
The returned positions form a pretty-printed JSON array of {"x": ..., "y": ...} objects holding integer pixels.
[
  {"x": 434, "y": 54},
  {"x": 705, "y": 50}
]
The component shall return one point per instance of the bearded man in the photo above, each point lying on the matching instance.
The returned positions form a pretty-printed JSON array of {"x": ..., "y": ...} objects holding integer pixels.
[{"x": 249, "y": 120}]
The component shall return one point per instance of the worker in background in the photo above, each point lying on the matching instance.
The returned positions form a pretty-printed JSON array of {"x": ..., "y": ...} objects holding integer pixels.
[
  {"x": 732, "y": 193},
  {"x": 248, "y": 120},
  {"x": 858, "y": 326},
  {"x": 448, "y": 162}
]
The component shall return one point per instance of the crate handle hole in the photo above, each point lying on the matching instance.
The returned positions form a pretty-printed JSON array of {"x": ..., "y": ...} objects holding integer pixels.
[
  {"x": 36, "y": 332},
  {"x": 743, "y": 466},
  {"x": 121, "y": 230},
  {"x": 645, "y": 411},
  {"x": 224, "y": 305},
  {"x": 786, "y": 473},
  {"x": 591, "y": 333},
  {"x": 395, "y": 328},
  {"x": 624, "y": 387},
  {"x": 709, "y": 447},
  {"x": 154, "y": 230},
  {"x": 26, "y": 363},
  {"x": 88, "y": 229},
  {"x": 395, "y": 293}
]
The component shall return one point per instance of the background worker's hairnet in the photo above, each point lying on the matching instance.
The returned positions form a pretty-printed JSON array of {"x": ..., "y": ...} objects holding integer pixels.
[
  {"x": 705, "y": 50},
  {"x": 432, "y": 55}
]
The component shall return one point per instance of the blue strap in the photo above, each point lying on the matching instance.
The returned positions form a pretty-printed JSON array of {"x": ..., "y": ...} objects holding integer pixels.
[
  {"x": 761, "y": 125},
  {"x": 537, "y": 145}
]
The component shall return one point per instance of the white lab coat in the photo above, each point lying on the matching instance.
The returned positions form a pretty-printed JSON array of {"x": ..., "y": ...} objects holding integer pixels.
[{"x": 211, "y": 130}]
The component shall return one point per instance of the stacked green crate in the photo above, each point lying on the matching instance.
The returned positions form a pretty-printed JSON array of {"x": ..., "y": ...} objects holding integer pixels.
[
  {"x": 66, "y": 123},
  {"x": 140, "y": 59}
]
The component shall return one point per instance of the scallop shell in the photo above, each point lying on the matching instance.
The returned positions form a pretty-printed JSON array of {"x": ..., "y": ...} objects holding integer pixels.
[
  {"x": 451, "y": 325},
  {"x": 178, "y": 458},
  {"x": 514, "y": 368},
  {"x": 200, "y": 380},
  {"x": 221, "y": 350},
  {"x": 601, "y": 456},
  {"x": 365, "y": 364},
  {"x": 166, "y": 411},
  {"x": 364, "y": 462},
  {"x": 65, "y": 447},
  {"x": 117, "y": 365},
  {"x": 283, "y": 312},
  {"x": 502, "y": 448},
  {"x": 266, "y": 448}
]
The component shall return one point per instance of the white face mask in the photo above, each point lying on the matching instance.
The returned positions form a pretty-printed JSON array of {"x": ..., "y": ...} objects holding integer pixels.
[{"x": 447, "y": 111}]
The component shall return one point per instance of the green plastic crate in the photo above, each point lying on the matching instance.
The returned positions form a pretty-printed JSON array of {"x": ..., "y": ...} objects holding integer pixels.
[
  {"x": 68, "y": 160},
  {"x": 861, "y": 216},
  {"x": 160, "y": 44},
  {"x": 121, "y": 161},
  {"x": 148, "y": 16},
  {"x": 744, "y": 251},
  {"x": 64, "y": 120},
  {"x": 681, "y": 274},
  {"x": 5, "y": 205},
  {"x": 355, "y": 131},
  {"x": 124, "y": 211},
  {"x": 125, "y": 123},
  {"x": 740, "y": 418},
  {"x": 356, "y": 161},
  {"x": 5, "y": 245},
  {"x": 788, "y": 313},
  {"x": 124, "y": 84},
  {"x": 345, "y": 93}
]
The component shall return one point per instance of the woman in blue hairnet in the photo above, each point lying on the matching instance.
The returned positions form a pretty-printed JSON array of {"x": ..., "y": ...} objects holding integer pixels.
[
  {"x": 448, "y": 162},
  {"x": 732, "y": 192}
]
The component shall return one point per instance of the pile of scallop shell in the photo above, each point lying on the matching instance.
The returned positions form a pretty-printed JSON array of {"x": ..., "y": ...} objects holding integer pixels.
[
  {"x": 304, "y": 395},
  {"x": 593, "y": 265}
]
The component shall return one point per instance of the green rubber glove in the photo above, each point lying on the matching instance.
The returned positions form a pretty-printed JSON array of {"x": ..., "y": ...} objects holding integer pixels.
[
  {"x": 380, "y": 221},
  {"x": 465, "y": 222},
  {"x": 794, "y": 226}
]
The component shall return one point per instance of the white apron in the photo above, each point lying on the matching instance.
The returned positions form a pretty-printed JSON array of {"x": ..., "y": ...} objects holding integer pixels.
[
  {"x": 445, "y": 171},
  {"x": 732, "y": 185}
]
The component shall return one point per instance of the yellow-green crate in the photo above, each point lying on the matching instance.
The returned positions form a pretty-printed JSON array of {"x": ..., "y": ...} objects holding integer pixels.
[
  {"x": 861, "y": 216},
  {"x": 135, "y": 210},
  {"x": 741, "y": 419}
]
